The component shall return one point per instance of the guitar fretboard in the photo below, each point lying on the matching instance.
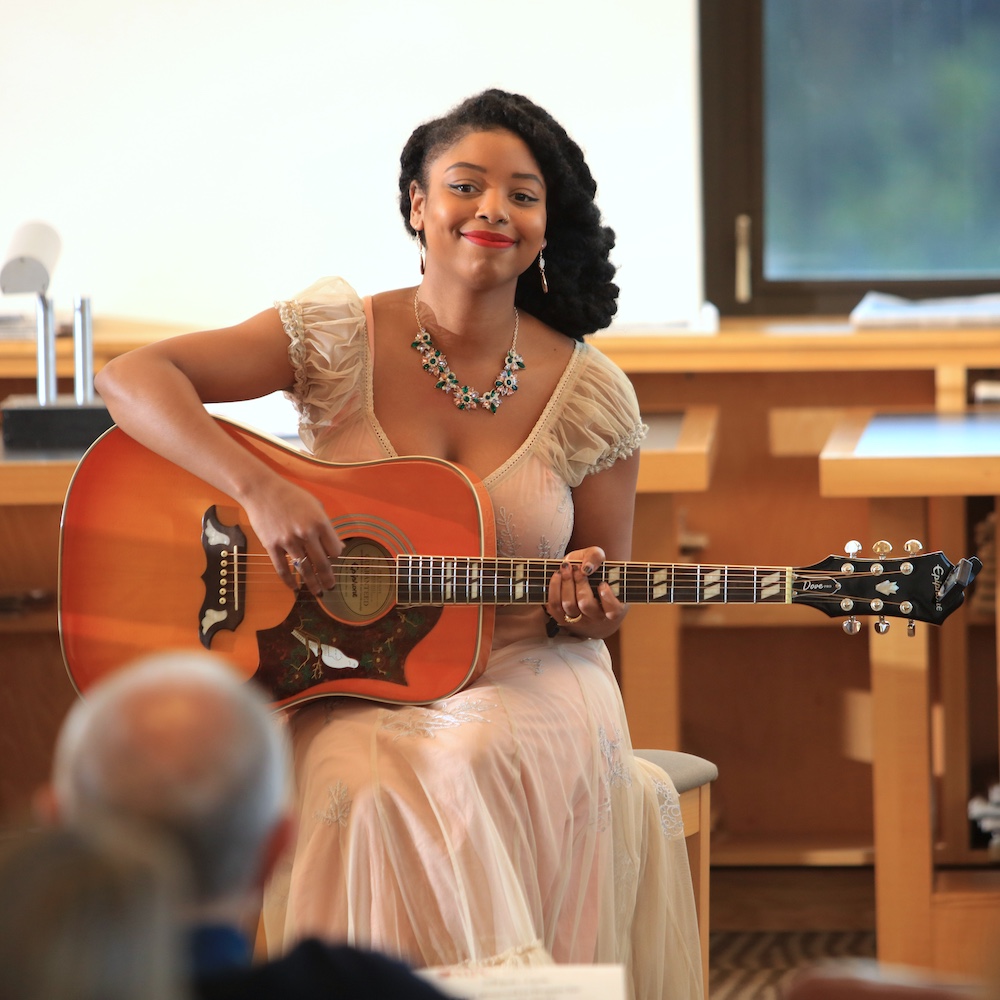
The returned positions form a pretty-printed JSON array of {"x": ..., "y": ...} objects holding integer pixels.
[{"x": 441, "y": 580}]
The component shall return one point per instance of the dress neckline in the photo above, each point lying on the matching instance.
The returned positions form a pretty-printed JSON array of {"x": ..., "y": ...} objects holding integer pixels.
[{"x": 497, "y": 474}]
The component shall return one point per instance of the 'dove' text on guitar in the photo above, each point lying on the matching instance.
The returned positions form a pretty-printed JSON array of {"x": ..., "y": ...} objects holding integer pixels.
[{"x": 153, "y": 558}]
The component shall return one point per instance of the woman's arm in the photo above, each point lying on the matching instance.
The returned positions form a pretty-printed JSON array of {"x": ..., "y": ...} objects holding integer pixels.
[
  {"x": 156, "y": 395},
  {"x": 604, "y": 510}
]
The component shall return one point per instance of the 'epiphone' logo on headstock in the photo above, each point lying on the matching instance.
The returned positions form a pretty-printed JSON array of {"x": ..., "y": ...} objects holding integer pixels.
[{"x": 937, "y": 578}]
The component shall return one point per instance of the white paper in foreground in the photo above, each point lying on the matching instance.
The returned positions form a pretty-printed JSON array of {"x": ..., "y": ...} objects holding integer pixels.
[{"x": 549, "y": 982}]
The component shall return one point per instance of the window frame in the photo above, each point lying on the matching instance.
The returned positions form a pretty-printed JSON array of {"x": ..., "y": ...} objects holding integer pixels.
[{"x": 731, "y": 90}]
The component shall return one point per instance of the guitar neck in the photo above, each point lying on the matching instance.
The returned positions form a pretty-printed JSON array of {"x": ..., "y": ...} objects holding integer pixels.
[{"x": 442, "y": 580}]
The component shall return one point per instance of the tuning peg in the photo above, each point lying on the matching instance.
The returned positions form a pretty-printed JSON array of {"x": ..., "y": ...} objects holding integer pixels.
[
  {"x": 881, "y": 548},
  {"x": 911, "y": 628},
  {"x": 881, "y": 626},
  {"x": 852, "y": 548},
  {"x": 852, "y": 626},
  {"x": 912, "y": 547}
]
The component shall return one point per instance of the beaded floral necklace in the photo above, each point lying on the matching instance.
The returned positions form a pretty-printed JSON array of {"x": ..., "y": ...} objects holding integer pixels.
[{"x": 467, "y": 398}]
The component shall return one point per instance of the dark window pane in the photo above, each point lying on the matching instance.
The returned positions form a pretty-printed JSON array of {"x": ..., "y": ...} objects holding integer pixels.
[{"x": 881, "y": 140}]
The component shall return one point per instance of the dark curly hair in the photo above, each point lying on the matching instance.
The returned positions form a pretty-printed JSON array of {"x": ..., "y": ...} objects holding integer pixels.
[{"x": 582, "y": 297}]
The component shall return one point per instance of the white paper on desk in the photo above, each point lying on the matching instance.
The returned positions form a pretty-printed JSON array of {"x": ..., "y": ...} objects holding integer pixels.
[
  {"x": 546, "y": 982},
  {"x": 275, "y": 414},
  {"x": 705, "y": 322},
  {"x": 877, "y": 309},
  {"x": 18, "y": 317}
]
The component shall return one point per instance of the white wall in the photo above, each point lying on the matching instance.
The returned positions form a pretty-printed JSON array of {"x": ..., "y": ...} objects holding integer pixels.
[{"x": 201, "y": 157}]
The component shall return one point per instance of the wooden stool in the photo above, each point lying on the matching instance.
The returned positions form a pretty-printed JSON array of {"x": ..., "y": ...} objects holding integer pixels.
[{"x": 692, "y": 777}]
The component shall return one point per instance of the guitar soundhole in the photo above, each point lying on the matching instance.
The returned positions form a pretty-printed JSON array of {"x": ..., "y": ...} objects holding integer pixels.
[{"x": 366, "y": 584}]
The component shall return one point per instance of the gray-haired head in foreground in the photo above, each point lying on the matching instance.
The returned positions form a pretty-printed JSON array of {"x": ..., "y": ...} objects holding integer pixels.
[{"x": 181, "y": 742}]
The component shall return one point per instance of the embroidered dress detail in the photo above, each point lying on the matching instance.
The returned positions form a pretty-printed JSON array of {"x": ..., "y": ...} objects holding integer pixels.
[
  {"x": 338, "y": 808},
  {"x": 467, "y": 398},
  {"x": 427, "y": 721},
  {"x": 671, "y": 821}
]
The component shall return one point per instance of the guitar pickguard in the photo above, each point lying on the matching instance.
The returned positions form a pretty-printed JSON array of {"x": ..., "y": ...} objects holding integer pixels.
[{"x": 309, "y": 647}]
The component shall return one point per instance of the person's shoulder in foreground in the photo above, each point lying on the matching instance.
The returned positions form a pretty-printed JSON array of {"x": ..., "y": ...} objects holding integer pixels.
[
  {"x": 317, "y": 971},
  {"x": 866, "y": 980}
]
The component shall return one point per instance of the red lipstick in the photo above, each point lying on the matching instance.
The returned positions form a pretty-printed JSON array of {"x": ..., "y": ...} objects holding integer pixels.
[{"x": 484, "y": 238}]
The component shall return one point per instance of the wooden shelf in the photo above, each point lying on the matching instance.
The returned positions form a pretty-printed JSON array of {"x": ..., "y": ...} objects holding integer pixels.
[
  {"x": 780, "y": 849},
  {"x": 33, "y": 621},
  {"x": 33, "y": 478}
]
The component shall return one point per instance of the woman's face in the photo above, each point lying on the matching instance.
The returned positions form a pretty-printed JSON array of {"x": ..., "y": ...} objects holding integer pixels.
[{"x": 483, "y": 212}]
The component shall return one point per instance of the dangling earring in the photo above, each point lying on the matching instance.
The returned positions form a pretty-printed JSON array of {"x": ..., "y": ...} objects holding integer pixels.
[
  {"x": 423, "y": 254},
  {"x": 541, "y": 271}
]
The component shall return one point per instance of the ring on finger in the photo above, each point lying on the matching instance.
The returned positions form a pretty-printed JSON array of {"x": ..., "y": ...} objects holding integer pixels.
[{"x": 570, "y": 621}]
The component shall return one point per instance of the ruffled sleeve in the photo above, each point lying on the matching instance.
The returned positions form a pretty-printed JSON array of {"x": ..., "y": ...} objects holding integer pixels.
[
  {"x": 326, "y": 328},
  {"x": 599, "y": 422}
]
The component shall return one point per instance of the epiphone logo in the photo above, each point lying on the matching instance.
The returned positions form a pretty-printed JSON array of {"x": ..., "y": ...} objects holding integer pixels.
[{"x": 937, "y": 575}]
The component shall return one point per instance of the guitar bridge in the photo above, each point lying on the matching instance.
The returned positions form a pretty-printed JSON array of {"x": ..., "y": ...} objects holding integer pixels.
[{"x": 225, "y": 549}]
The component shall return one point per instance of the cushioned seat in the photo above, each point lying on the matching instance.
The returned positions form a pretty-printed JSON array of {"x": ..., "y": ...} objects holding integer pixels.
[{"x": 692, "y": 777}]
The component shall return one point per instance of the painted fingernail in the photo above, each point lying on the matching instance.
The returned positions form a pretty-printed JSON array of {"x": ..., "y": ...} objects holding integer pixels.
[{"x": 587, "y": 569}]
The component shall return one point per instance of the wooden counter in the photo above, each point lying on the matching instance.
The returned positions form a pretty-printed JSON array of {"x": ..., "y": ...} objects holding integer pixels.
[{"x": 925, "y": 916}]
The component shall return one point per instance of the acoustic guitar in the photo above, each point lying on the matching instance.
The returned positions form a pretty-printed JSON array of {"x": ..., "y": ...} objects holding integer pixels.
[{"x": 152, "y": 558}]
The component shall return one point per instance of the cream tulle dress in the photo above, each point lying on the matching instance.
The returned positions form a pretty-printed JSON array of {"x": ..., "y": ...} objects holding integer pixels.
[{"x": 510, "y": 822}]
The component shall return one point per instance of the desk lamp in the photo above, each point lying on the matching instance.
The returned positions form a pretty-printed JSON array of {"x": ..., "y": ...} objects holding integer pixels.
[{"x": 49, "y": 420}]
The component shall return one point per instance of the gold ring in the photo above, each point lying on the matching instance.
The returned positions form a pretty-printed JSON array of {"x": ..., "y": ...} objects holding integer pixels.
[{"x": 570, "y": 621}]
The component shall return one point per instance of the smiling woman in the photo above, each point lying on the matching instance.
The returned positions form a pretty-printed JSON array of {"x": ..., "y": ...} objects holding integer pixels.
[
  {"x": 508, "y": 822},
  {"x": 481, "y": 210}
]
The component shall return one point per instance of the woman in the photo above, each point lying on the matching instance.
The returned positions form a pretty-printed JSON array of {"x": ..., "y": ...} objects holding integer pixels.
[{"x": 509, "y": 822}]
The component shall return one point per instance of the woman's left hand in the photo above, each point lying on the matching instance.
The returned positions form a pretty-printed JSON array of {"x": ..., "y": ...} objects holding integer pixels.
[{"x": 573, "y": 602}]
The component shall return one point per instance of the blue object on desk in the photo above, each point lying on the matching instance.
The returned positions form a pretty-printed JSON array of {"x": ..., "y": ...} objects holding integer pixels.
[{"x": 930, "y": 435}]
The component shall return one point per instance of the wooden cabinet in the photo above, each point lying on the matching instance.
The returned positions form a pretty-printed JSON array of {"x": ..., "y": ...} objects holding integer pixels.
[{"x": 780, "y": 697}]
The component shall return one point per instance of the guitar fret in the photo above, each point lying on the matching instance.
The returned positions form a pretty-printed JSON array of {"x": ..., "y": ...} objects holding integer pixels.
[
  {"x": 403, "y": 582},
  {"x": 659, "y": 584},
  {"x": 770, "y": 587},
  {"x": 613, "y": 579},
  {"x": 424, "y": 581},
  {"x": 448, "y": 580}
]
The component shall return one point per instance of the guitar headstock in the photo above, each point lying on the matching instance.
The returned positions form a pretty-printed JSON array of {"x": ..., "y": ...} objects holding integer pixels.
[{"x": 920, "y": 587}]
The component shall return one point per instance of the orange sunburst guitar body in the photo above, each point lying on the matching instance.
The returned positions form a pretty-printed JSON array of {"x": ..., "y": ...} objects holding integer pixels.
[{"x": 152, "y": 558}]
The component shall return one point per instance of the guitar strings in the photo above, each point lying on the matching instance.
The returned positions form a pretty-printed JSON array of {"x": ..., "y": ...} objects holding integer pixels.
[{"x": 431, "y": 571}]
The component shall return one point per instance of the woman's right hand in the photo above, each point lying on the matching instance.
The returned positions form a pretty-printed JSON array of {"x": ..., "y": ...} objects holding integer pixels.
[
  {"x": 294, "y": 529},
  {"x": 155, "y": 394}
]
